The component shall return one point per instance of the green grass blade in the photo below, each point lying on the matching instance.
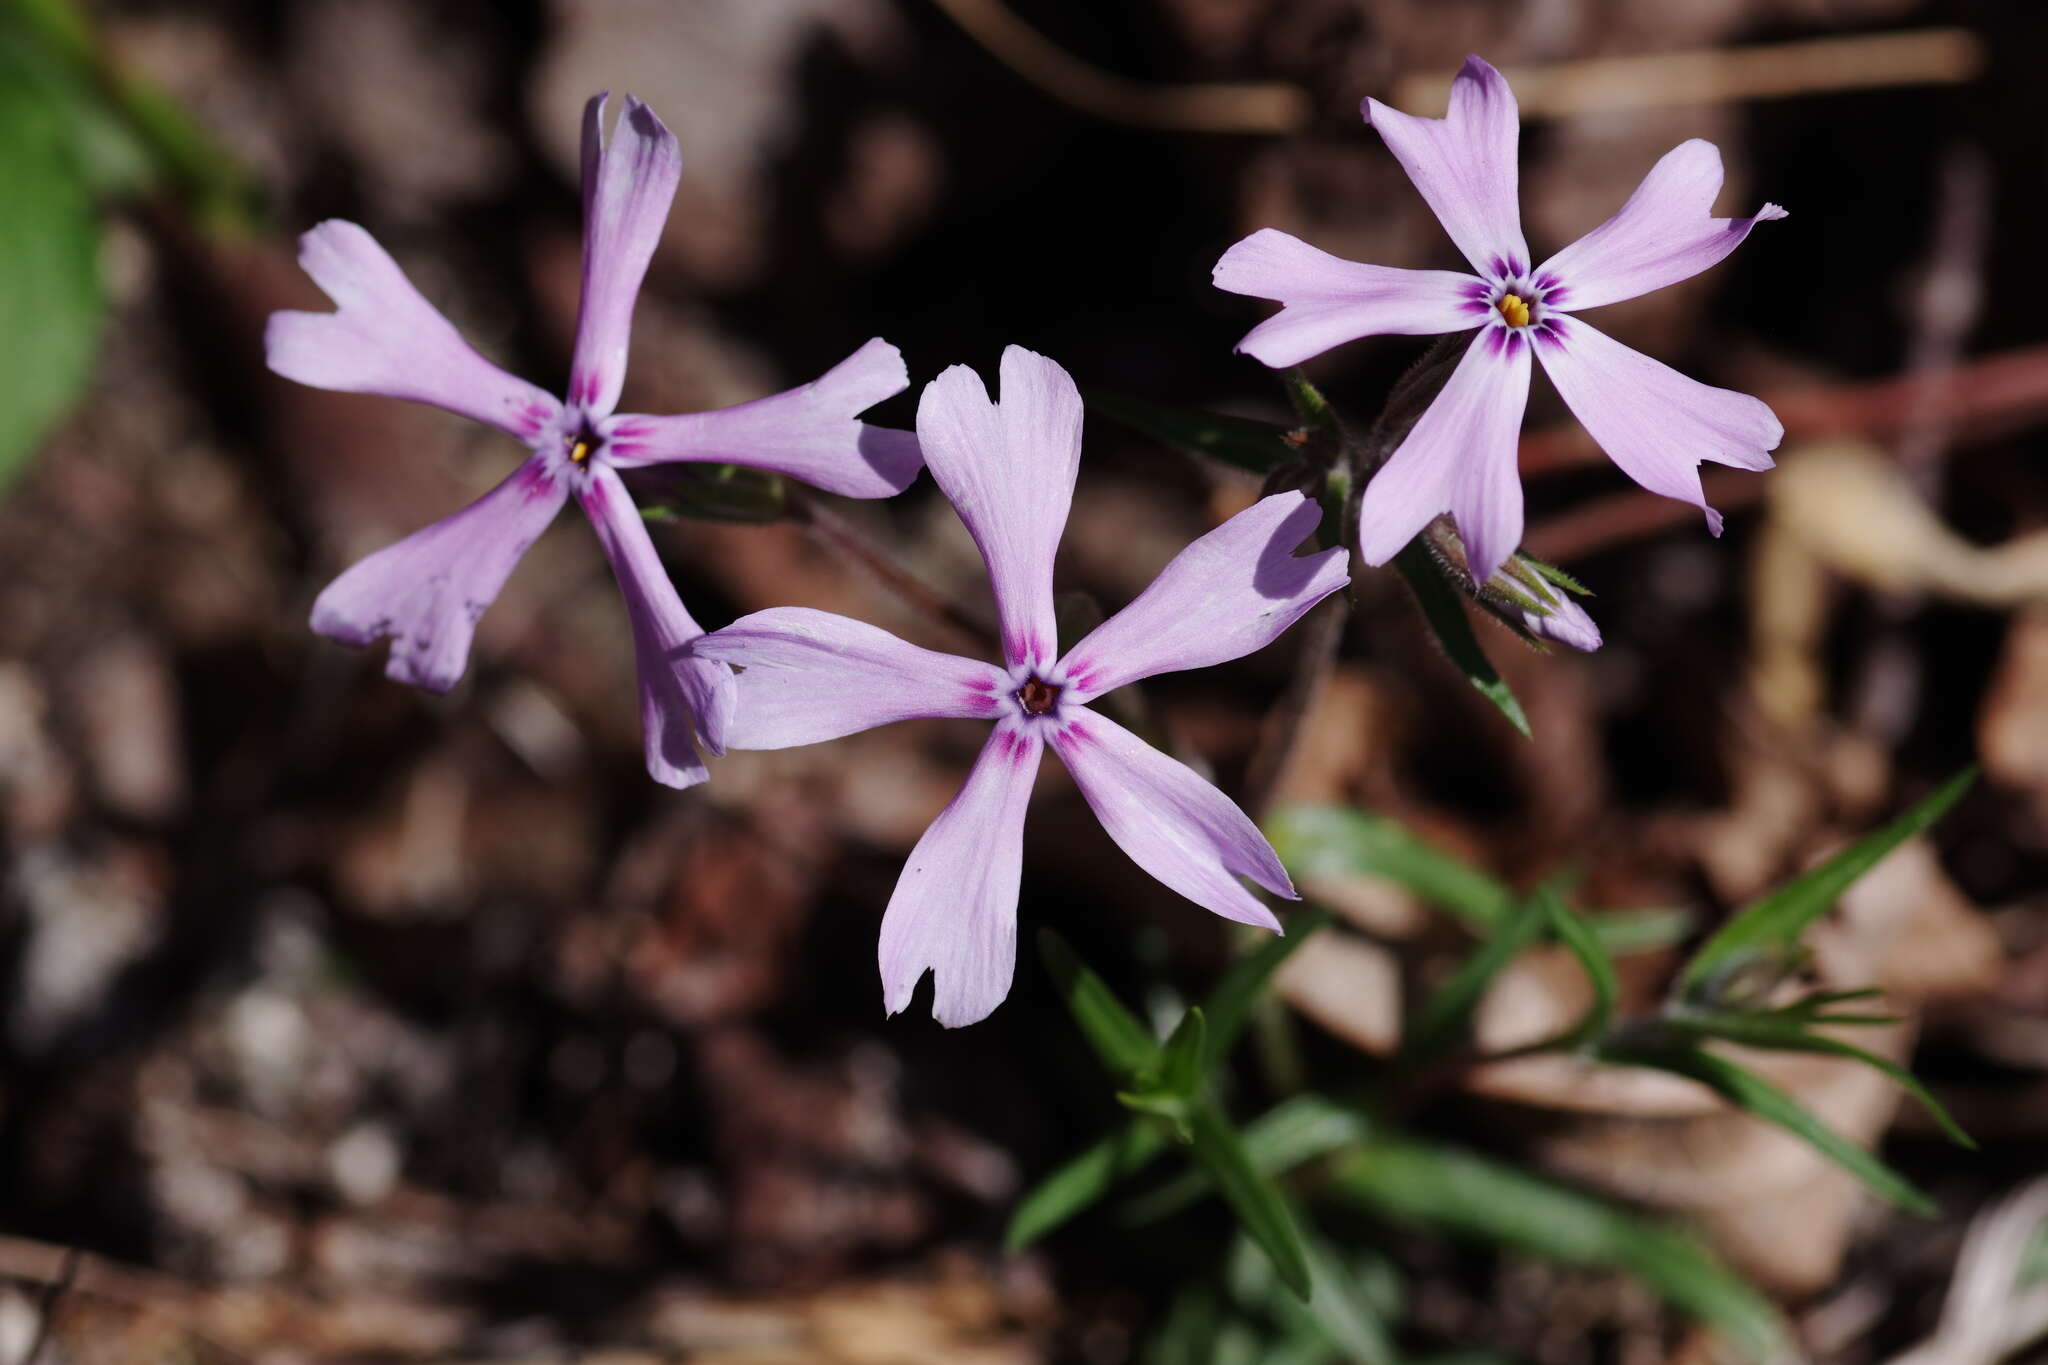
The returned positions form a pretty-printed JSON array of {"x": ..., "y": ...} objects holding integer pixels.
[
  {"x": 1082, "y": 1180},
  {"x": 1445, "y": 1020},
  {"x": 1258, "y": 1206},
  {"x": 1230, "y": 1004},
  {"x": 1123, "y": 1044},
  {"x": 1469, "y": 1196},
  {"x": 1578, "y": 936},
  {"x": 1774, "y": 924},
  {"x": 1752, "y": 1093},
  {"x": 1443, "y": 607},
  {"x": 1295, "y": 1131},
  {"x": 1322, "y": 841}
]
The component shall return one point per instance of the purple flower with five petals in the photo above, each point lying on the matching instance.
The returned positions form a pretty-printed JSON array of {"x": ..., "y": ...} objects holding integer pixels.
[
  {"x": 427, "y": 591},
  {"x": 1460, "y": 456},
  {"x": 1008, "y": 468}
]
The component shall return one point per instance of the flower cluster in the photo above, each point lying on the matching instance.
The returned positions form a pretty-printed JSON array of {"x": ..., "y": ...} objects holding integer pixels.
[
  {"x": 1460, "y": 457},
  {"x": 791, "y": 675}
]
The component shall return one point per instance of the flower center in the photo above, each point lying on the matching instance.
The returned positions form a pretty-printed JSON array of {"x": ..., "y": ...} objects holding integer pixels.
[
  {"x": 580, "y": 451},
  {"x": 1038, "y": 697},
  {"x": 1513, "y": 310}
]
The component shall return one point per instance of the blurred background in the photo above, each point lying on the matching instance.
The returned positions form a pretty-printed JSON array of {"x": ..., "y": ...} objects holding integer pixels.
[{"x": 338, "y": 1021}]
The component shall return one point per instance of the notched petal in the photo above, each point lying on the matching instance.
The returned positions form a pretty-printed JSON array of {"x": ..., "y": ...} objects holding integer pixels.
[
  {"x": 428, "y": 591},
  {"x": 385, "y": 338}
]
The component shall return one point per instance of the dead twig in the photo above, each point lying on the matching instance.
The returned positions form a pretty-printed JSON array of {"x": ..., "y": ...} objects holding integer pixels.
[
  {"x": 1994, "y": 394},
  {"x": 1203, "y": 108},
  {"x": 1663, "y": 80}
]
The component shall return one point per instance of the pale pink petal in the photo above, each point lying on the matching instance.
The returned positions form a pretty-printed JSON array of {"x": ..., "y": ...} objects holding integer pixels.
[
  {"x": 1008, "y": 469},
  {"x": 427, "y": 591},
  {"x": 384, "y": 338},
  {"x": 1464, "y": 165},
  {"x": 1329, "y": 300},
  {"x": 1650, "y": 419},
  {"x": 1229, "y": 593},
  {"x": 628, "y": 184},
  {"x": 1176, "y": 826},
  {"x": 1663, "y": 234},
  {"x": 681, "y": 694},
  {"x": 809, "y": 433},
  {"x": 809, "y": 676},
  {"x": 1566, "y": 623},
  {"x": 1459, "y": 458},
  {"x": 954, "y": 910}
]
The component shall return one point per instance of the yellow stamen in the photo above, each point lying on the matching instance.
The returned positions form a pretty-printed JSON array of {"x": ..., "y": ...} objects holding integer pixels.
[
  {"x": 1514, "y": 310},
  {"x": 580, "y": 452}
]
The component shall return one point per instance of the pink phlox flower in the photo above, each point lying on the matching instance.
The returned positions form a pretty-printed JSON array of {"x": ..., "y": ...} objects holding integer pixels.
[
  {"x": 1008, "y": 468},
  {"x": 427, "y": 591},
  {"x": 1460, "y": 456}
]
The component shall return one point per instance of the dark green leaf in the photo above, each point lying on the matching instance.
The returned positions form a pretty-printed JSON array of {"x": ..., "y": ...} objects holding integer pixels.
[
  {"x": 50, "y": 307},
  {"x": 1443, "y": 607},
  {"x": 1778, "y": 1033},
  {"x": 1751, "y": 1092},
  {"x": 1183, "y": 1063},
  {"x": 1771, "y": 928},
  {"x": 1622, "y": 932},
  {"x": 1258, "y": 1206},
  {"x": 1294, "y": 1131},
  {"x": 1082, "y": 1180},
  {"x": 1578, "y": 936},
  {"x": 1324, "y": 841},
  {"x": 1259, "y": 447},
  {"x": 1445, "y": 1019},
  {"x": 1230, "y": 1004},
  {"x": 1340, "y": 1314},
  {"x": 1122, "y": 1043},
  {"x": 1469, "y": 1196}
]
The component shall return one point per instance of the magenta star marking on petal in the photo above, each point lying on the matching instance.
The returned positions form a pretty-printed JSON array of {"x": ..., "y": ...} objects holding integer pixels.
[
  {"x": 1008, "y": 469},
  {"x": 427, "y": 591},
  {"x": 1653, "y": 422}
]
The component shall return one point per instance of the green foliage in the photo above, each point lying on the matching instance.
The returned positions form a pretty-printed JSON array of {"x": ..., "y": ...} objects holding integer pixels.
[
  {"x": 1230, "y": 1004},
  {"x": 717, "y": 492},
  {"x": 1256, "y": 447},
  {"x": 1082, "y": 1180},
  {"x": 1789, "y": 1030},
  {"x": 1751, "y": 1092},
  {"x": 1444, "y": 1022},
  {"x": 1579, "y": 936},
  {"x": 51, "y": 307},
  {"x": 1443, "y": 608},
  {"x": 1296, "y": 1131},
  {"x": 1120, "y": 1041},
  {"x": 1759, "y": 947},
  {"x": 1326, "y": 840},
  {"x": 1467, "y": 1195},
  {"x": 71, "y": 131}
]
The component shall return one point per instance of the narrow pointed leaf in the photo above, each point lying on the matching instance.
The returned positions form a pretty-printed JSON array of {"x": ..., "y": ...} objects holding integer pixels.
[
  {"x": 1469, "y": 1196},
  {"x": 1295, "y": 1131},
  {"x": 1751, "y": 1092},
  {"x": 1258, "y": 1206},
  {"x": 1082, "y": 1180},
  {"x": 1445, "y": 1020},
  {"x": 1260, "y": 447},
  {"x": 1183, "y": 1064},
  {"x": 1338, "y": 841},
  {"x": 1578, "y": 936},
  {"x": 1119, "y": 1040},
  {"x": 1443, "y": 607},
  {"x": 1774, "y": 924},
  {"x": 1621, "y": 932},
  {"x": 1230, "y": 1004},
  {"x": 1784, "y": 1035}
]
